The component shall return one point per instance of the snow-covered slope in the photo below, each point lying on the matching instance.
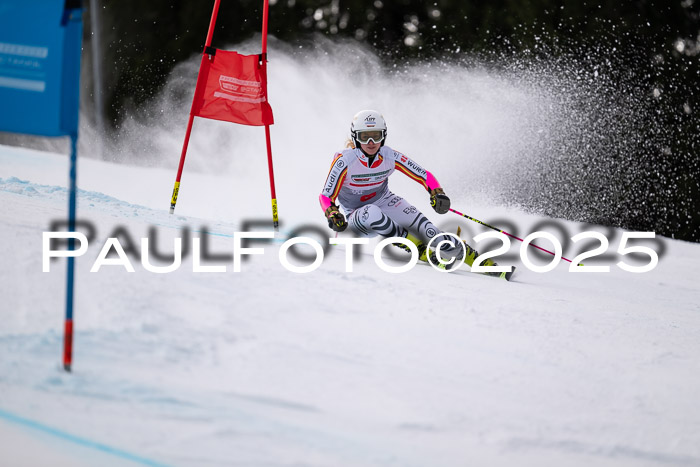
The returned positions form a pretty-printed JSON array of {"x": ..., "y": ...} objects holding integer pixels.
[{"x": 268, "y": 367}]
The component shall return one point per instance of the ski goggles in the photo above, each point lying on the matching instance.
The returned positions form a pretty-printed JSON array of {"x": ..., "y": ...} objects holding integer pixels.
[{"x": 364, "y": 137}]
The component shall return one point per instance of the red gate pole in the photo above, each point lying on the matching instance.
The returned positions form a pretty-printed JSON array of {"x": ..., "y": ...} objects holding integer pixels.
[
  {"x": 210, "y": 35},
  {"x": 275, "y": 218}
]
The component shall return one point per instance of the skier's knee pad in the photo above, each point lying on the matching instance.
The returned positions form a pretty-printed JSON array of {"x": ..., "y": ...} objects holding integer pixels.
[
  {"x": 367, "y": 215},
  {"x": 369, "y": 221},
  {"x": 363, "y": 217}
]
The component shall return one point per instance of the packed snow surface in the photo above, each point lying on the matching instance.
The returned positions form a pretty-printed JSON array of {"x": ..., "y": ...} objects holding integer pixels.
[{"x": 363, "y": 368}]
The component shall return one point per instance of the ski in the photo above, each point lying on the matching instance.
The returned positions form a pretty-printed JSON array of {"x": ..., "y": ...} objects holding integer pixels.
[{"x": 501, "y": 275}]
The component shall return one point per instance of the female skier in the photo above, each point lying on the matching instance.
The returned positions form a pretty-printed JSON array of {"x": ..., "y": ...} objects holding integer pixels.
[{"x": 358, "y": 182}]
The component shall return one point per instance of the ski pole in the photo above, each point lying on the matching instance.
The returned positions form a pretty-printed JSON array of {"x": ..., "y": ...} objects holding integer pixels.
[{"x": 506, "y": 233}]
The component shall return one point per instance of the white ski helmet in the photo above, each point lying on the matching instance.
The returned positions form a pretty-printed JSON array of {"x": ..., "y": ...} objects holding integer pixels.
[{"x": 368, "y": 125}]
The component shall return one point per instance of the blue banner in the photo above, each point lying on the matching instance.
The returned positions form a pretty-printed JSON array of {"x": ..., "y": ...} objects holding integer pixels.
[{"x": 40, "y": 45}]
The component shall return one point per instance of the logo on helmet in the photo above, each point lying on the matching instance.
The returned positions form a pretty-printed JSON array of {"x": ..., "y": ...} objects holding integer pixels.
[{"x": 370, "y": 121}]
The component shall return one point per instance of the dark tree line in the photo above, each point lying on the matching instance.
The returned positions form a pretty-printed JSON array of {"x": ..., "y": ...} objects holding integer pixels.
[{"x": 144, "y": 40}]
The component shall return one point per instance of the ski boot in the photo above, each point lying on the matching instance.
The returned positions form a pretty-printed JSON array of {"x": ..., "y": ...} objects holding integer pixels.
[
  {"x": 425, "y": 254},
  {"x": 429, "y": 256},
  {"x": 422, "y": 248}
]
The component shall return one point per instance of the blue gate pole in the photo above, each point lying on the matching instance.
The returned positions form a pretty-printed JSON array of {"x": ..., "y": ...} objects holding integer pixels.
[{"x": 70, "y": 273}]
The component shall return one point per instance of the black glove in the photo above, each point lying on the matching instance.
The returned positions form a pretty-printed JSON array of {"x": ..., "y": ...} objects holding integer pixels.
[
  {"x": 336, "y": 220},
  {"x": 439, "y": 201}
]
